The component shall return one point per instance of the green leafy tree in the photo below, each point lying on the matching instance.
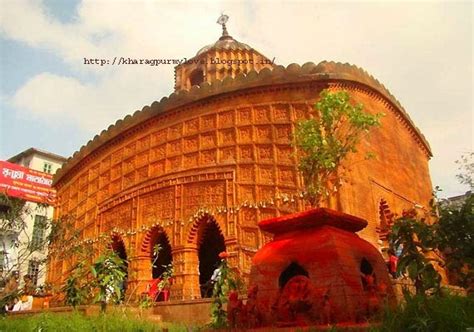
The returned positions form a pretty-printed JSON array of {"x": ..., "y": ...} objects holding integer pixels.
[
  {"x": 418, "y": 242},
  {"x": 109, "y": 274},
  {"x": 332, "y": 131}
]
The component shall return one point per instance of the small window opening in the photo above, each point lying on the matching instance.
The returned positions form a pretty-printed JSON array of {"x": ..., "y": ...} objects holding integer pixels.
[{"x": 294, "y": 269}]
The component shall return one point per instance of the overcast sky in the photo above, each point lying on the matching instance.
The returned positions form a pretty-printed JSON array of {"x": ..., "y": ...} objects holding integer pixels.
[{"x": 49, "y": 99}]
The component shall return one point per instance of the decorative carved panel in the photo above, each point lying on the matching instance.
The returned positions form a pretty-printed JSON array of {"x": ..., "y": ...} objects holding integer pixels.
[
  {"x": 105, "y": 164},
  {"x": 283, "y": 133},
  {"x": 284, "y": 154},
  {"x": 143, "y": 143},
  {"x": 244, "y": 115},
  {"x": 191, "y": 126},
  {"x": 158, "y": 137},
  {"x": 208, "y": 140},
  {"x": 115, "y": 186},
  {"x": 142, "y": 159},
  {"x": 281, "y": 113},
  {"x": 266, "y": 174},
  {"x": 262, "y": 114},
  {"x": 116, "y": 157},
  {"x": 104, "y": 179},
  {"x": 93, "y": 172},
  {"x": 245, "y": 134},
  {"x": 158, "y": 205},
  {"x": 191, "y": 160},
  {"x": 128, "y": 165},
  {"x": 174, "y": 148},
  {"x": 119, "y": 216},
  {"x": 116, "y": 172},
  {"x": 301, "y": 111},
  {"x": 129, "y": 180},
  {"x": 129, "y": 150},
  {"x": 191, "y": 144},
  {"x": 157, "y": 168},
  {"x": 286, "y": 176},
  {"x": 246, "y": 193},
  {"x": 248, "y": 217},
  {"x": 226, "y": 119},
  {"x": 175, "y": 131},
  {"x": 208, "y": 122},
  {"x": 174, "y": 164},
  {"x": 264, "y": 133},
  {"x": 142, "y": 174},
  {"x": 246, "y": 173},
  {"x": 227, "y": 154},
  {"x": 202, "y": 194},
  {"x": 158, "y": 152},
  {"x": 266, "y": 193},
  {"x": 265, "y": 152},
  {"x": 250, "y": 237},
  {"x": 208, "y": 157},
  {"x": 227, "y": 137},
  {"x": 246, "y": 153}
]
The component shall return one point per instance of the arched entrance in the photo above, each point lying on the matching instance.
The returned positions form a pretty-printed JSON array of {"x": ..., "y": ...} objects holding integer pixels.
[
  {"x": 210, "y": 243},
  {"x": 160, "y": 252},
  {"x": 118, "y": 246}
]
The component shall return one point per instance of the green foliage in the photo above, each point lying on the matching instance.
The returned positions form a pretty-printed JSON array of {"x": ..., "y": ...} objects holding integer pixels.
[
  {"x": 166, "y": 277},
  {"x": 226, "y": 282},
  {"x": 77, "y": 322},
  {"x": 417, "y": 239},
  {"x": 75, "y": 289},
  {"x": 455, "y": 239},
  {"x": 109, "y": 274},
  {"x": 421, "y": 313},
  {"x": 325, "y": 139}
]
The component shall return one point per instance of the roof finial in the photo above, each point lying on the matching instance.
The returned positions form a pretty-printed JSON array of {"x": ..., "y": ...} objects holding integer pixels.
[{"x": 222, "y": 20}]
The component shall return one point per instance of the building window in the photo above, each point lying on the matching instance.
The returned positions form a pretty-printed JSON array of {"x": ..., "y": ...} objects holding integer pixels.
[
  {"x": 39, "y": 228},
  {"x": 47, "y": 167},
  {"x": 33, "y": 271}
]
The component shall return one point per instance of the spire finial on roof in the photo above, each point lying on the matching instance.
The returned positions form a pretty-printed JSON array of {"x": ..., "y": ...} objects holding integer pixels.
[{"x": 222, "y": 20}]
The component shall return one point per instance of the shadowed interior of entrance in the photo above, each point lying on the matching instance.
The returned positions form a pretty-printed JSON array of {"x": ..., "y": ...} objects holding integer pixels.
[{"x": 211, "y": 243}]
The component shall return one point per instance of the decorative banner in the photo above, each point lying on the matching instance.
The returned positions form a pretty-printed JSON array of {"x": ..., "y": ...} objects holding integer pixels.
[{"x": 25, "y": 183}]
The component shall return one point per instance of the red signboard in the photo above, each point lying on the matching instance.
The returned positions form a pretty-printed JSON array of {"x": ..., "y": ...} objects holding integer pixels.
[{"x": 25, "y": 183}]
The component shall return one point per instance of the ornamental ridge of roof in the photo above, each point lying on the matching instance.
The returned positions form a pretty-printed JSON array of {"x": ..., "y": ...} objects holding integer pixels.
[{"x": 293, "y": 73}]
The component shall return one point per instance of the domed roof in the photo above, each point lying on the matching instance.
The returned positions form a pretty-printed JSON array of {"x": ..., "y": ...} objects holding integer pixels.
[{"x": 225, "y": 42}]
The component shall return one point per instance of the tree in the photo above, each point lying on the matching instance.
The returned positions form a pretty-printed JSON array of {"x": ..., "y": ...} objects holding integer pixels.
[
  {"x": 19, "y": 245},
  {"x": 455, "y": 239},
  {"x": 417, "y": 240},
  {"x": 332, "y": 131}
]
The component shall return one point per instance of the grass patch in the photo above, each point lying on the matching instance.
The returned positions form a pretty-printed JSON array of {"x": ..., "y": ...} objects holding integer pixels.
[
  {"x": 420, "y": 313},
  {"x": 76, "y": 321}
]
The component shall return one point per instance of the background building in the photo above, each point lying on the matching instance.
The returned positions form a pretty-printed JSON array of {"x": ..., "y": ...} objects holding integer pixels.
[
  {"x": 198, "y": 170},
  {"x": 18, "y": 242}
]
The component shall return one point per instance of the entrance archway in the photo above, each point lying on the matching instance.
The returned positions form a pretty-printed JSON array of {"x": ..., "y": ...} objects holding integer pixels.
[
  {"x": 118, "y": 246},
  {"x": 162, "y": 257},
  {"x": 210, "y": 244}
]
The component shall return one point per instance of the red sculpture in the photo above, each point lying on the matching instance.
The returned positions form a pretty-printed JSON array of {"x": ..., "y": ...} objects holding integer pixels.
[{"x": 316, "y": 271}]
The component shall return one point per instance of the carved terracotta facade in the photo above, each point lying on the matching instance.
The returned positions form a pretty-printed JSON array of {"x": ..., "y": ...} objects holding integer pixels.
[{"x": 222, "y": 151}]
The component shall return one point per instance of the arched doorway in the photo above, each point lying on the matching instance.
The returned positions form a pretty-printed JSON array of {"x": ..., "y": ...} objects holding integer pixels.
[
  {"x": 160, "y": 252},
  {"x": 196, "y": 77},
  {"x": 210, "y": 244},
  {"x": 118, "y": 246}
]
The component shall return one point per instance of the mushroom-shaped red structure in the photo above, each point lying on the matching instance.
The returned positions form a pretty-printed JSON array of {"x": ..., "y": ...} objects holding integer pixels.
[{"x": 318, "y": 271}]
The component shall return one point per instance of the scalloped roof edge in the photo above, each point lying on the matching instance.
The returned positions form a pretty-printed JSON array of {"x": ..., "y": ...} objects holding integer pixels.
[{"x": 293, "y": 73}]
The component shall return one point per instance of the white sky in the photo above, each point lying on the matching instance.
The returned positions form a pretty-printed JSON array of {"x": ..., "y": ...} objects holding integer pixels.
[{"x": 421, "y": 51}]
